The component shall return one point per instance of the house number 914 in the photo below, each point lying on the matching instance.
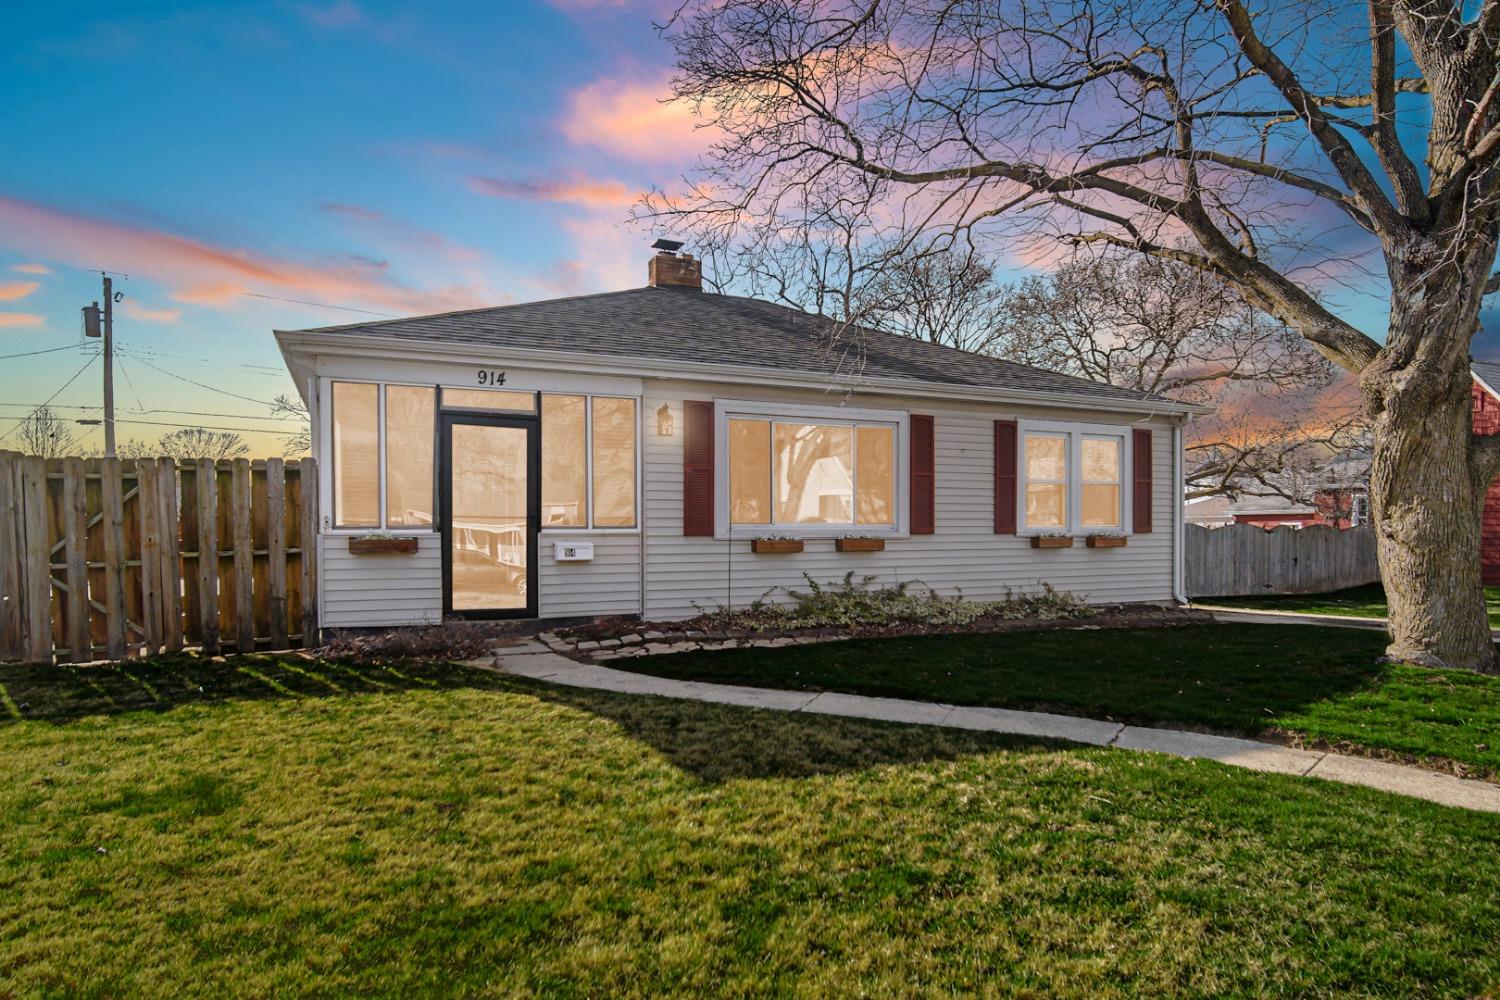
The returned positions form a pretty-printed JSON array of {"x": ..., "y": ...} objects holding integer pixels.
[{"x": 489, "y": 376}]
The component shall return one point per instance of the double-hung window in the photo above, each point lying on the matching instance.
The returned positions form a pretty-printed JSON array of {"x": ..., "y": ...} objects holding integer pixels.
[
  {"x": 810, "y": 470},
  {"x": 1073, "y": 478}
]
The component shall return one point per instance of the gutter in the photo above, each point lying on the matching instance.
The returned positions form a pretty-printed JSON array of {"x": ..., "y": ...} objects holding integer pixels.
[
  {"x": 294, "y": 343},
  {"x": 1179, "y": 518}
]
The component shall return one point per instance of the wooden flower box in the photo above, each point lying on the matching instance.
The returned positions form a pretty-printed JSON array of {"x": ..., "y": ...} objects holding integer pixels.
[
  {"x": 1106, "y": 541},
  {"x": 381, "y": 546},
  {"x": 860, "y": 544},
  {"x": 1051, "y": 541},
  {"x": 767, "y": 545}
]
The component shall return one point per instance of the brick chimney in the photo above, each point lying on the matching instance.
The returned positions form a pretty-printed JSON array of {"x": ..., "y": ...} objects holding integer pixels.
[{"x": 671, "y": 270}]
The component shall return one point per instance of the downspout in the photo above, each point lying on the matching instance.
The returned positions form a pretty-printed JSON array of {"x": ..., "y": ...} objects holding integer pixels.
[{"x": 1178, "y": 514}]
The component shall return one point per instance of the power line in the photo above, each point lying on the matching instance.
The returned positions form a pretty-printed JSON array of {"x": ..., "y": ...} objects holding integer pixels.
[
  {"x": 201, "y": 385},
  {"x": 50, "y": 398},
  {"x": 50, "y": 350},
  {"x": 320, "y": 305},
  {"x": 206, "y": 427},
  {"x": 146, "y": 410}
]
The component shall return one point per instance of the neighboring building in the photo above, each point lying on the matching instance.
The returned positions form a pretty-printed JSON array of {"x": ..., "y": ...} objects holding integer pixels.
[
  {"x": 619, "y": 454},
  {"x": 1208, "y": 512},
  {"x": 1272, "y": 512},
  {"x": 1487, "y": 421}
]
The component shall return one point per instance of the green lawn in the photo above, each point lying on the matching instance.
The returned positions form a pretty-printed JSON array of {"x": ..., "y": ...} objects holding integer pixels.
[
  {"x": 258, "y": 828},
  {"x": 1321, "y": 683},
  {"x": 1361, "y": 602}
]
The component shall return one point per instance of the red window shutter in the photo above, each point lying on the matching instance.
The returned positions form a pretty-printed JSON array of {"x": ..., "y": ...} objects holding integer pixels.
[
  {"x": 1141, "y": 473},
  {"x": 1005, "y": 477},
  {"x": 923, "y": 460},
  {"x": 697, "y": 468}
]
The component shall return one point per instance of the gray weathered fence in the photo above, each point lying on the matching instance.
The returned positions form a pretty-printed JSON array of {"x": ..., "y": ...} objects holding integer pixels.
[
  {"x": 119, "y": 557},
  {"x": 1242, "y": 559}
]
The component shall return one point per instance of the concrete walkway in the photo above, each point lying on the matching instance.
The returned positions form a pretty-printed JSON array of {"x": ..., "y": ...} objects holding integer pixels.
[
  {"x": 1261, "y": 617},
  {"x": 534, "y": 660}
]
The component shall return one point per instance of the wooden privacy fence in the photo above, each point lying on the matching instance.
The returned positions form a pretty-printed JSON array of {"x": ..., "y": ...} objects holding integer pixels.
[
  {"x": 1241, "y": 559},
  {"x": 109, "y": 558}
]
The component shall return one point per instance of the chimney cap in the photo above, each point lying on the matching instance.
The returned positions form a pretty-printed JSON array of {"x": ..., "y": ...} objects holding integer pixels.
[{"x": 667, "y": 246}]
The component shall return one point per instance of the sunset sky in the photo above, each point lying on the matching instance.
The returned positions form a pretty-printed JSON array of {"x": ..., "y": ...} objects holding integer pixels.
[{"x": 382, "y": 158}]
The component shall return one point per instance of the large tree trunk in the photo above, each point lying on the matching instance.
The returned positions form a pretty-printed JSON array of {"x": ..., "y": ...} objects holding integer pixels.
[{"x": 1427, "y": 486}]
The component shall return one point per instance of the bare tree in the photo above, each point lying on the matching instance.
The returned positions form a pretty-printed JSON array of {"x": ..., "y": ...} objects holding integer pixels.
[
  {"x": 298, "y": 442},
  {"x": 948, "y": 299},
  {"x": 42, "y": 432},
  {"x": 1279, "y": 146},
  {"x": 199, "y": 442},
  {"x": 1161, "y": 327}
]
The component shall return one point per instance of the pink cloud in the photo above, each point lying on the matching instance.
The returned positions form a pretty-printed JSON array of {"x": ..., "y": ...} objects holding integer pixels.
[
  {"x": 575, "y": 191},
  {"x": 634, "y": 119},
  {"x": 21, "y": 319},
  {"x": 17, "y": 290},
  {"x": 140, "y": 312},
  {"x": 205, "y": 274},
  {"x": 32, "y": 269},
  {"x": 400, "y": 234}
]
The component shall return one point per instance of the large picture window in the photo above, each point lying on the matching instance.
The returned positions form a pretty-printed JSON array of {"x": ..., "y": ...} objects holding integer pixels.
[
  {"x": 1072, "y": 478},
  {"x": 810, "y": 472}
]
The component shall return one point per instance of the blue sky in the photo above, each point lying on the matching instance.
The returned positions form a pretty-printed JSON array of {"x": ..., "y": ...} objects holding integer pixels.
[
  {"x": 378, "y": 157},
  {"x": 382, "y": 157}
]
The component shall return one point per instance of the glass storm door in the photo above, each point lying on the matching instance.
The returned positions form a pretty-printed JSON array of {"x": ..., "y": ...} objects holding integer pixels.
[{"x": 491, "y": 501}]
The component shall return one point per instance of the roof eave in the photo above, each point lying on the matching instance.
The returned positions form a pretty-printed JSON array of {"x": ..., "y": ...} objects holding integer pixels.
[{"x": 297, "y": 347}]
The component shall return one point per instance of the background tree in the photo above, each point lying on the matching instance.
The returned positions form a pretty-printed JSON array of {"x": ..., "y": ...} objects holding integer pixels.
[
  {"x": 189, "y": 443},
  {"x": 298, "y": 442},
  {"x": 42, "y": 432},
  {"x": 1274, "y": 144},
  {"x": 1160, "y": 327}
]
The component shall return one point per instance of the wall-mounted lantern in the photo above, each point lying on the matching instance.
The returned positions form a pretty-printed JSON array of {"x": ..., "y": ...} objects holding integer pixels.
[{"x": 664, "y": 421}]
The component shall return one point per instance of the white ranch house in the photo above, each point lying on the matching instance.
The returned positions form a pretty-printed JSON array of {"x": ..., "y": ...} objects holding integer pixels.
[{"x": 622, "y": 454}]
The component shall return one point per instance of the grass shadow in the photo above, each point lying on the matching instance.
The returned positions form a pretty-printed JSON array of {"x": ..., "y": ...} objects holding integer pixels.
[
  {"x": 713, "y": 743},
  {"x": 720, "y": 743},
  {"x": 65, "y": 693}
]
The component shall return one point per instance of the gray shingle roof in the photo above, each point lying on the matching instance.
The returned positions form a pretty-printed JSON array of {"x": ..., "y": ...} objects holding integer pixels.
[
  {"x": 683, "y": 325},
  {"x": 1489, "y": 371}
]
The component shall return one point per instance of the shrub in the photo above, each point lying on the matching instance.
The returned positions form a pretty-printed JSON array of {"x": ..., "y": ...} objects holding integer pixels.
[{"x": 850, "y": 604}]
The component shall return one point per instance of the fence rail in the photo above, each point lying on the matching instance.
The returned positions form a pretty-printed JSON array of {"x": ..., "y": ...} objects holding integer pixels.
[
  {"x": 112, "y": 557},
  {"x": 1242, "y": 559}
]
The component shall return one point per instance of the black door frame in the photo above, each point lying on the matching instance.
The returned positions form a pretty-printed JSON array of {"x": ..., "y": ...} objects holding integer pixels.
[{"x": 532, "y": 426}]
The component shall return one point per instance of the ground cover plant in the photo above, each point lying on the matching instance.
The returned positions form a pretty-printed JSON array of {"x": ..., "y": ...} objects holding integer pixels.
[
  {"x": 862, "y": 606},
  {"x": 1308, "y": 684},
  {"x": 274, "y": 825},
  {"x": 1361, "y": 602}
]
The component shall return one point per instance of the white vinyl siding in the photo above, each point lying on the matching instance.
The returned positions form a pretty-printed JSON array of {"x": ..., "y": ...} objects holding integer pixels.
[
  {"x": 963, "y": 555},
  {"x": 683, "y": 575}
]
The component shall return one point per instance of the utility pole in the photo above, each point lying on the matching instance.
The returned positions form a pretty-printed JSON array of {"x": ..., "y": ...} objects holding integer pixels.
[
  {"x": 109, "y": 368},
  {"x": 95, "y": 322}
]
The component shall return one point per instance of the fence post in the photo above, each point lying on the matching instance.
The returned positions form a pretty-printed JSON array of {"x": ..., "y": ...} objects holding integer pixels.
[
  {"x": 170, "y": 576},
  {"x": 205, "y": 480},
  {"x": 244, "y": 556},
  {"x": 38, "y": 572},
  {"x": 12, "y": 560},
  {"x": 146, "y": 482},
  {"x": 307, "y": 485},
  {"x": 276, "y": 549},
  {"x": 75, "y": 513},
  {"x": 112, "y": 494}
]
